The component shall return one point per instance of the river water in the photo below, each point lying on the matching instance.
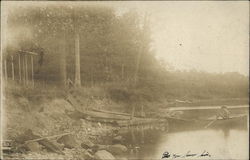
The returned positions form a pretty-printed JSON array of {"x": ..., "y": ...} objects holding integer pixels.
[{"x": 152, "y": 141}]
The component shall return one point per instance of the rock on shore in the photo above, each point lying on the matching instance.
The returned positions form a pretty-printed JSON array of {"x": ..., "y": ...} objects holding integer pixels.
[{"x": 103, "y": 155}]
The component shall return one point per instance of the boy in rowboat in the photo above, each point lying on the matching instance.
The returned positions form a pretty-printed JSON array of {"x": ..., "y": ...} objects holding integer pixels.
[{"x": 223, "y": 113}]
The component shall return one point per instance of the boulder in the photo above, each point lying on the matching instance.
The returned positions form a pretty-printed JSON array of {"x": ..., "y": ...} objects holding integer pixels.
[
  {"x": 83, "y": 155},
  {"x": 87, "y": 144},
  {"x": 117, "y": 140},
  {"x": 27, "y": 135},
  {"x": 115, "y": 132},
  {"x": 117, "y": 149},
  {"x": 87, "y": 155},
  {"x": 68, "y": 141},
  {"x": 90, "y": 151},
  {"x": 103, "y": 155},
  {"x": 95, "y": 148},
  {"x": 33, "y": 146},
  {"x": 102, "y": 147}
]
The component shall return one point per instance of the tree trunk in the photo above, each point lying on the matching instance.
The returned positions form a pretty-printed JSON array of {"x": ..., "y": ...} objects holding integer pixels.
[
  {"x": 26, "y": 69},
  {"x": 77, "y": 61},
  {"x": 106, "y": 67},
  {"x": 24, "y": 74},
  {"x": 5, "y": 70},
  {"x": 137, "y": 66},
  {"x": 141, "y": 50},
  {"x": 32, "y": 71},
  {"x": 19, "y": 70}
]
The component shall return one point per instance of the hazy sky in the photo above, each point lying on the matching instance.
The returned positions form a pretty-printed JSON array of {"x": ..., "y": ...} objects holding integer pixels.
[{"x": 208, "y": 36}]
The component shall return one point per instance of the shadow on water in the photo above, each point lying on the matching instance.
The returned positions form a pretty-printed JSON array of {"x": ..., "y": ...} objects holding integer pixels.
[{"x": 150, "y": 142}]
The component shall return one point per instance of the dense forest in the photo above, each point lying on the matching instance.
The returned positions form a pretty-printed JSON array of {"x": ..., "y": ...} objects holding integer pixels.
[{"x": 114, "y": 52}]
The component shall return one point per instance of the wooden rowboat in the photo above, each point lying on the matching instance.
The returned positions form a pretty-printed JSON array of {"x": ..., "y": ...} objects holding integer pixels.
[{"x": 233, "y": 122}]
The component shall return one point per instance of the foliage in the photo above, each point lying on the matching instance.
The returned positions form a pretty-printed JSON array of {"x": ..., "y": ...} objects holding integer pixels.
[{"x": 112, "y": 49}]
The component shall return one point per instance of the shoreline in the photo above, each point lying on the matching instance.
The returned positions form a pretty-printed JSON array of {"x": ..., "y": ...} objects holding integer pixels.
[{"x": 210, "y": 102}]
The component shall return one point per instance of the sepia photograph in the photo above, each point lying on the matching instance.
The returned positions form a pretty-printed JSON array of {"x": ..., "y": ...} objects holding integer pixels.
[{"x": 124, "y": 80}]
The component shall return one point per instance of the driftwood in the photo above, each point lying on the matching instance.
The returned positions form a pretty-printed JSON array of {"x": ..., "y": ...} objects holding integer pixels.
[{"x": 48, "y": 137}]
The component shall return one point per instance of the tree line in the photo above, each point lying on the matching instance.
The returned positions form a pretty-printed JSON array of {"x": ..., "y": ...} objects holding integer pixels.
[{"x": 113, "y": 48}]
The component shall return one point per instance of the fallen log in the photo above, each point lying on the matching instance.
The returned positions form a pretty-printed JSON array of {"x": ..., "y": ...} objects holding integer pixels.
[{"x": 48, "y": 137}]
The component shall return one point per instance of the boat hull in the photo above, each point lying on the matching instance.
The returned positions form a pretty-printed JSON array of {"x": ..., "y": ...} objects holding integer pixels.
[{"x": 177, "y": 124}]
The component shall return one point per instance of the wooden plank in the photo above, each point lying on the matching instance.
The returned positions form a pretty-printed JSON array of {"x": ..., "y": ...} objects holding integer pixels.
[
  {"x": 110, "y": 112},
  {"x": 99, "y": 115},
  {"x": 32, "y": 53}
]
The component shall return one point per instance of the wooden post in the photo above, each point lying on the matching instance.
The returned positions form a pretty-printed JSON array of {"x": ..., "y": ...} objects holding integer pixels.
[
  {"x": 92, "y": 78},
  {"x": 142, "y": 111},
  {"x": 32, "y": 71},
  {"x": 133, "y": 138},
  {"x": 19, "y": 70},
  {"x": 142, "y": 134},
  {"x": 77, "y": 59},
  {"x": 5, "y": 70},
  {"x": 12, "y": 68},
  {"x": 133, "y": 112},
  {"x": 122, "y": 71},
  {"x": 26, "y": 69}
]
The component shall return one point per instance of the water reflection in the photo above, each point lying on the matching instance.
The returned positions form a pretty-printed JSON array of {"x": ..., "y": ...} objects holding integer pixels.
[{"x": 151, "y": 142}]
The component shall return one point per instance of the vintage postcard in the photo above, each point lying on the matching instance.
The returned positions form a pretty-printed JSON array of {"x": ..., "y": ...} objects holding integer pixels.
[{"x": 125, "y": 80}]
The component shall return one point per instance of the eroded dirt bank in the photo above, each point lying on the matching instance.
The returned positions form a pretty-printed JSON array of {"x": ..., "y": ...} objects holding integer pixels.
[{"x": 48, "y": 117}]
